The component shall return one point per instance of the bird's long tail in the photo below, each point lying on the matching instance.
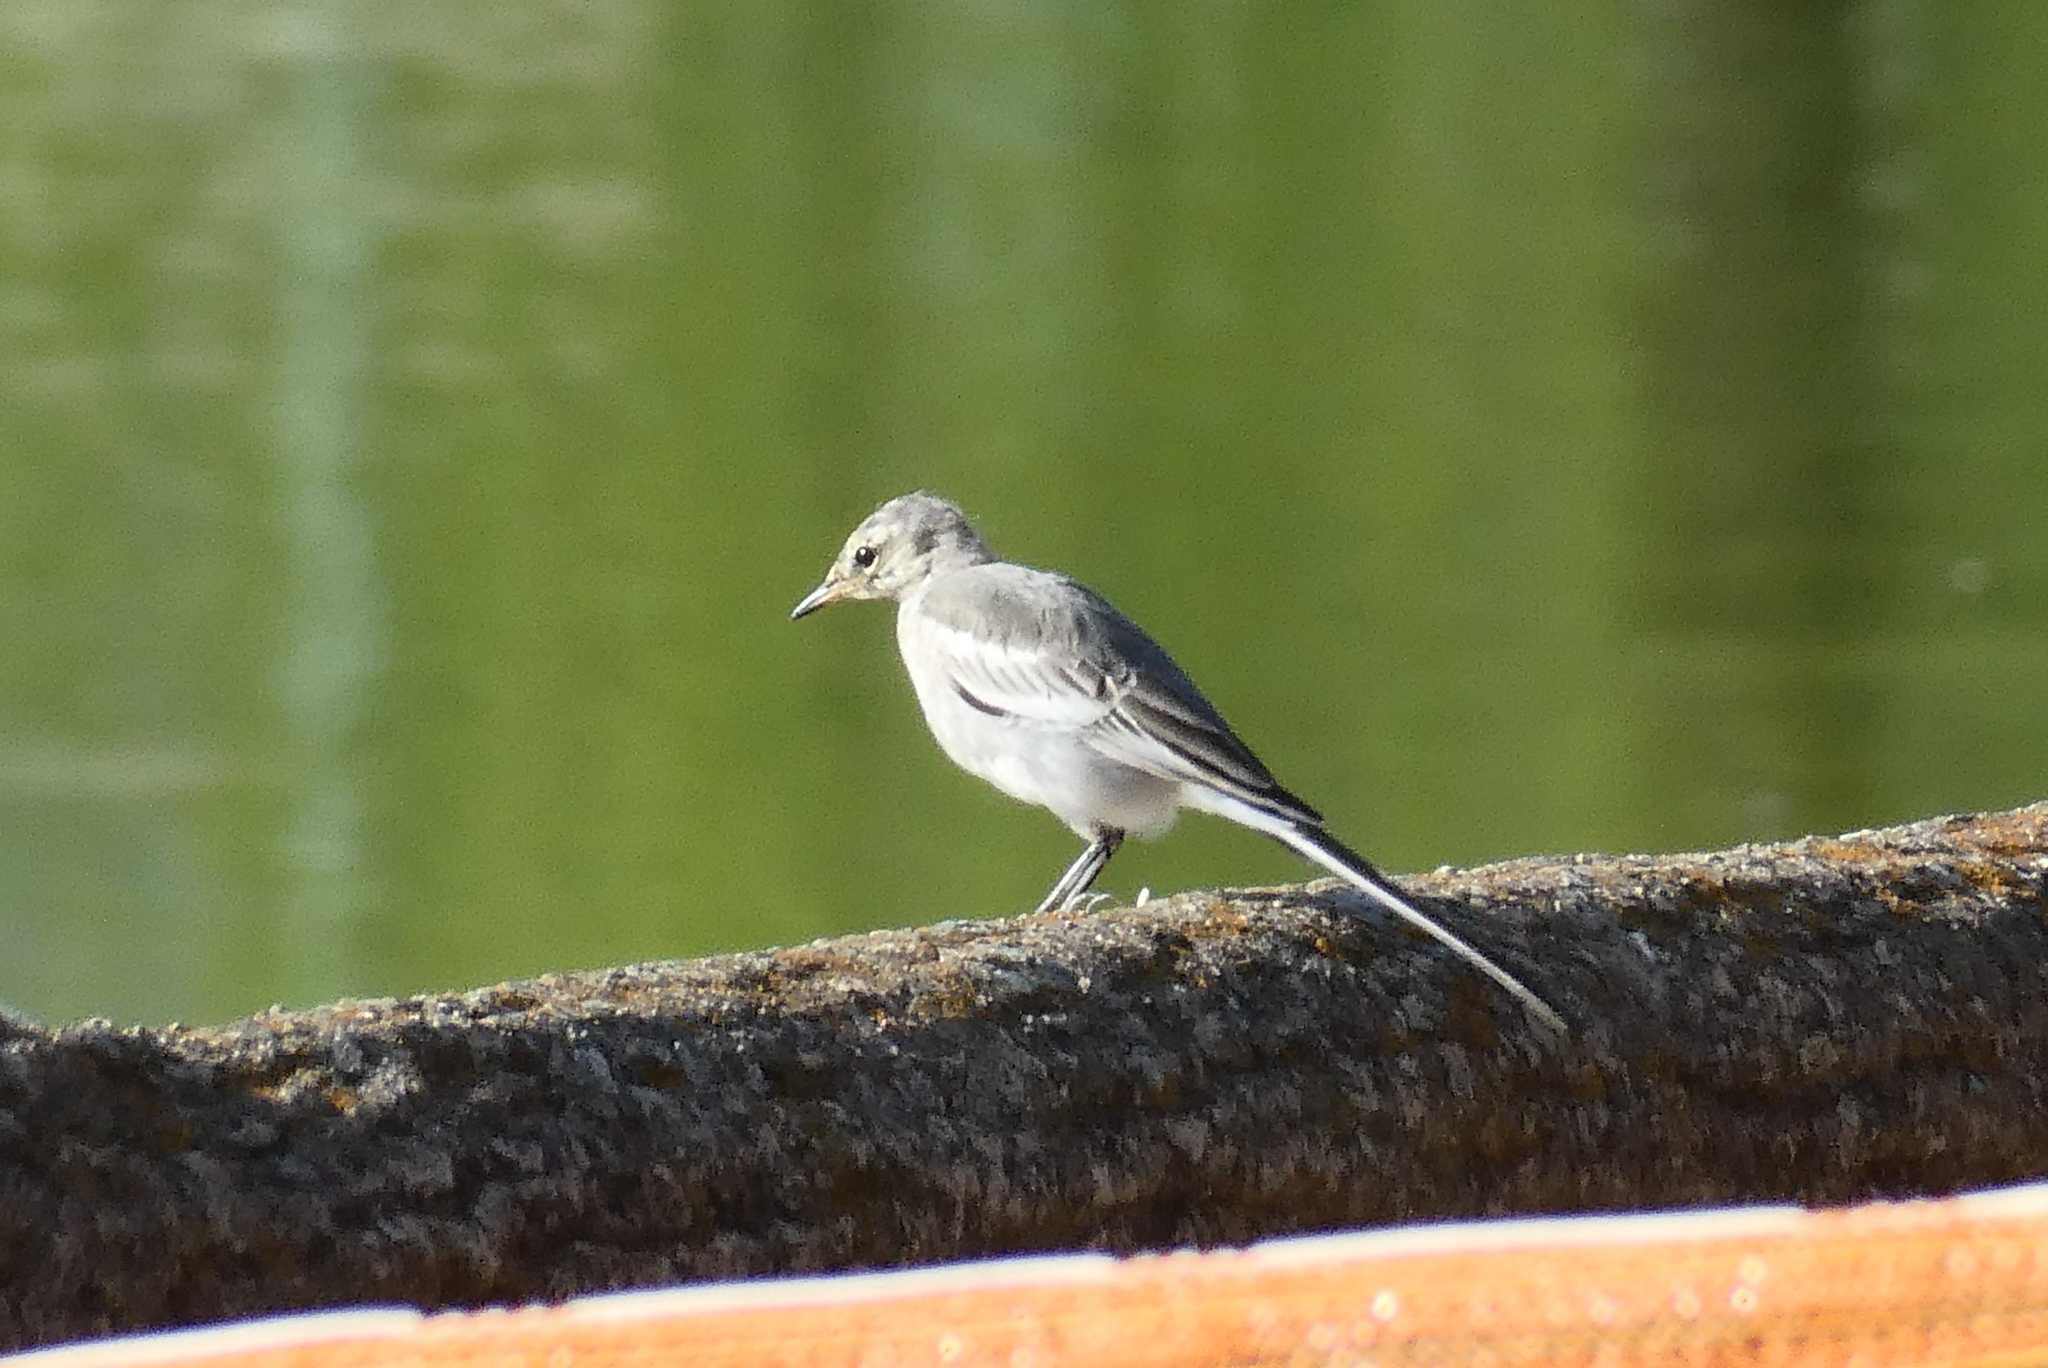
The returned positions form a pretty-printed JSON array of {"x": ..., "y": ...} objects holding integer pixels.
[{"x": 1332, "y": 854}]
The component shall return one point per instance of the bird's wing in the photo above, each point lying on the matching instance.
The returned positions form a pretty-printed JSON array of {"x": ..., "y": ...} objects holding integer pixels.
[
  {"x": 1044, "y": 650},
  {"x": 1004, "y": 643},
  {"x": 1164, "y": 725}
]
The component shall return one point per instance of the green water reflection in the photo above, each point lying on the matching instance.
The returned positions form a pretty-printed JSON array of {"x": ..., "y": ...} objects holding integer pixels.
[{"x": 1538, "y": 431}]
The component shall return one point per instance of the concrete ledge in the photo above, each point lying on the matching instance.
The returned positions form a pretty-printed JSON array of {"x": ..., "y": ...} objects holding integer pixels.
[{"x": 1826, "y": 1021}]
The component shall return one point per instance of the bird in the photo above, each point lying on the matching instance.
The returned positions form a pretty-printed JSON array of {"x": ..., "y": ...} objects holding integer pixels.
[{"x": 1039, "y": 685}]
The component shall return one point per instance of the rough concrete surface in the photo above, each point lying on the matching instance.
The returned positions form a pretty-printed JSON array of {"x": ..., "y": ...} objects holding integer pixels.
[{"x": 1832, "y": 1019}]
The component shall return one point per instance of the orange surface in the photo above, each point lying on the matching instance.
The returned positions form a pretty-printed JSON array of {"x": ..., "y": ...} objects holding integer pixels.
[{"x": 1962, "y": 1281}]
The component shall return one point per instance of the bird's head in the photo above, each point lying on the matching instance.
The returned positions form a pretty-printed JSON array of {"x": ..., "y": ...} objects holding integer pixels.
[{"x": 895, "y": 549}]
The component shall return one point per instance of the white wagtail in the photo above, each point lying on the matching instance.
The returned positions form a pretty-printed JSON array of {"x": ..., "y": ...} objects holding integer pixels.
[{"x": 1038, "y": 685}]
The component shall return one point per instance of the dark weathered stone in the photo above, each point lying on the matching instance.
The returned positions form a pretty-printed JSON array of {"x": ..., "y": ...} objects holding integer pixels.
[{"x": 1829, "y": 1020}]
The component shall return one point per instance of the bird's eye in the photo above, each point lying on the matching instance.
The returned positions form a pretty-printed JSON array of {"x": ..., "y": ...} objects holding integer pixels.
[{"x": 863, "y": 557}]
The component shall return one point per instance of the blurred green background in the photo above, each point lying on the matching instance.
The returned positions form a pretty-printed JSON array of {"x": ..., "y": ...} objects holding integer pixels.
[{"x": 1540, "y": 428}]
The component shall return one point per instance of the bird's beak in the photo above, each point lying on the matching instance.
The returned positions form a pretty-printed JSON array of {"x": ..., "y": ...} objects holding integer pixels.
[{"x": 825, "y": 593}]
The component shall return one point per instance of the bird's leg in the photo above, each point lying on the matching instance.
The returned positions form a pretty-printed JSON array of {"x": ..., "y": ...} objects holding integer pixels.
[{"x": 1083, "y": 870}]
